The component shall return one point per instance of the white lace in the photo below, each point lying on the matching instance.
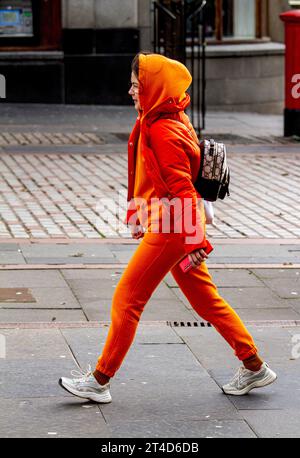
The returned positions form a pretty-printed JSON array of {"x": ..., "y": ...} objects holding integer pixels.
[
  {"x": 237, "y": 379},
  {"x": 81, "y": 375}
]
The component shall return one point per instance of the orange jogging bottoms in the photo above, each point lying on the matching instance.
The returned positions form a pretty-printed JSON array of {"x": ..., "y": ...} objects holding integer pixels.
[{"x": 157, "y": 254}]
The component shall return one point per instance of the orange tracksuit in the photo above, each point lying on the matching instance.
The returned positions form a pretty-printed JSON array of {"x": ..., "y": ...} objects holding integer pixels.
[{"x": 163, "y": 161}]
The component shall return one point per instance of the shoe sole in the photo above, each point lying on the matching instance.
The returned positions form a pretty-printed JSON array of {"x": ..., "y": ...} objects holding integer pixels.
[
  {"x": 103, "y": 399},
  {"x": 270, "y": 378}
]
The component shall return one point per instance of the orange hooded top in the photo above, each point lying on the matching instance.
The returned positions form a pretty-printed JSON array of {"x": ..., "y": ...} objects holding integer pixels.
[{"x": 164, "y": 153}]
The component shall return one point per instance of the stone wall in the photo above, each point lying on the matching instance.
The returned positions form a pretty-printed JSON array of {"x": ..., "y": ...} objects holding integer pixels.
[{"x": 109, "y": 14}]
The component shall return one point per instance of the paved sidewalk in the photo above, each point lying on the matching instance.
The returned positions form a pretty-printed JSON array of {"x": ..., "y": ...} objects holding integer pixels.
[
  {"x": 54, "y": 318},
  {"x": 60, "y": 262}
]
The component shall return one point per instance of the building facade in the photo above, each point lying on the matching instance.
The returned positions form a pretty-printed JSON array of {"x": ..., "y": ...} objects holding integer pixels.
[{"x": 79, "y": 51}]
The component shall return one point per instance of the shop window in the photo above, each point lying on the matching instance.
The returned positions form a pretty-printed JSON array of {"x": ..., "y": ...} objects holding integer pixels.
[{"x": 233, "y": 20}]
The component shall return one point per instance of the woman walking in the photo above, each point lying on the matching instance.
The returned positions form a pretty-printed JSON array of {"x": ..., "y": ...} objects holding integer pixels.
[{"x": 163, "y": 210}]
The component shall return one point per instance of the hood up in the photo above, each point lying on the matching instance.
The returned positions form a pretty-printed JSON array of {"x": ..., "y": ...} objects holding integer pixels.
[{"x": 162, "y": 81}]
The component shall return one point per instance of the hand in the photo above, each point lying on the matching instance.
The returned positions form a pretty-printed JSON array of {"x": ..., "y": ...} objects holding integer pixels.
[
  {"x": 197, "y": 256},
  {"x": 137, "y": 231}
]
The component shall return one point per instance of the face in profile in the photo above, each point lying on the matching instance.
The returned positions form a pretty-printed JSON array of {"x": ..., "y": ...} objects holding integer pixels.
[{"x": 134, "y": 91}]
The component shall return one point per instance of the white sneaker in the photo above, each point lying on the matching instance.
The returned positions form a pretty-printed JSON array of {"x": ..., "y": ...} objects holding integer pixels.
[
  {"x": 86, "y": 386},
  {"x": 245, "y": 380}
]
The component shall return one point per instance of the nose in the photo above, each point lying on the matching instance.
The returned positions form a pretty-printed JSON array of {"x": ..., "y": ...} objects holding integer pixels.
[{"x": 131, "y": 92}]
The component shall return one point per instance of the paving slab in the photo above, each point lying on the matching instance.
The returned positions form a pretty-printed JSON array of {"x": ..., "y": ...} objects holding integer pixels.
[
  {"x": 234, "y": 278},
  {"x": 243, "y": 297},
  {"x": 254, "y": 251},
  {"x": 40, "y": 315},
  {"x": 85, "y": 340},
  {"x": 255, "y": 297},
  {"x": 123, "y": 256},
  {"x": 151, "y": 377},
  {"x": 184, "y": 429},
  {"x": 89, "y": 274},
  {"x": 287, "y": 288},
  {"x": 35, "y": 344},
  {"x": 170, "y": 281},
  {"x": 59, "y": 250},
  {"x": 11, "y": 257},
  {"x": 277, "y": 313},
  {"x": 24, "y": 378},
  {"x": 157, "y": 367},
  {"x": 92, "y": 289},
  {"x": 70, "y": 260},
  {"x": 278, "y": 274},
  {"x": 274, "y": 345},
  {"x": 122, "y": 247},
  {"x": 55, "y": 417},
  {"x": 50, "y": 298},
  {"x": 252, "y": 260},
  {"x": 155, "y": 310},
  {"x": 87, "y": 290},
  {"x": 9, "y": 247},
  {"x": 31, "y": 278},
  {"x": 273, "y": 423}
]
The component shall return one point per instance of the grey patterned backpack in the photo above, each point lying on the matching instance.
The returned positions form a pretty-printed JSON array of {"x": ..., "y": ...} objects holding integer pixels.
[{"x": 213, "y": 178}]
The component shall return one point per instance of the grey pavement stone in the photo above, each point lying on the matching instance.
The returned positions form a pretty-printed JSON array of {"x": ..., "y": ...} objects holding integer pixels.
[
  {"x": 123, "y": 256},
  {"x": 60, "y": 250},
  {"x": 97, "y": 310},
  {"x": 179, "y": 294},
  {"x": 122, "y": 247},
  {"x": 287, "y": 288},
  {"x": 150, "y": 379},
  {"x": 31, "y": 278},
  {"x": 274, "y": 344},
  {"x": 61, "y": 417},
  {"x": 170, "y": 281},
  {"x": 110, "y": 118},
  {"x": 71, "y": 260},
  {"x": 35, "y": 344},
  {"x": 165, "y": 427},
  {"x": 51, "y": 298},
  {"x": 278, "y": 274},
  {"x": 251, "y": 260},
  {"x": 157, "y": 368},
  {"x": 11, "y": 257},
  {"x": 9, "y": 247},
  {"x": 90, "y": 289},
  {"x": 254, "y": 251},
  {"x": 40, "y": 315},
  {"x": 213, "y": 352},
  {"x": 25, "y": 378},
  {"x": 85, "y": 340},
  {"x": 267, "y": 313},
  {"x": 234, "y": 278},
  {"x": 89, "y": 274},
  {"x": 244, "y": 297},
  {"x": 86, "y": 290},
  {"x": 155, "y": 309},
  {"x": 255, "y": 297},
  {"x": 273, "y": 423}
]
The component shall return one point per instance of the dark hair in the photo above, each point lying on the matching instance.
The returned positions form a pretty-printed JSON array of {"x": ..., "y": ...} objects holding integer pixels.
[{"x": 135, "y": 62}]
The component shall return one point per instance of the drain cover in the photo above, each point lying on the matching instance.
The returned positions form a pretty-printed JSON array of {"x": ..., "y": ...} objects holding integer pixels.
[{"x": 183, "y": 324}]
